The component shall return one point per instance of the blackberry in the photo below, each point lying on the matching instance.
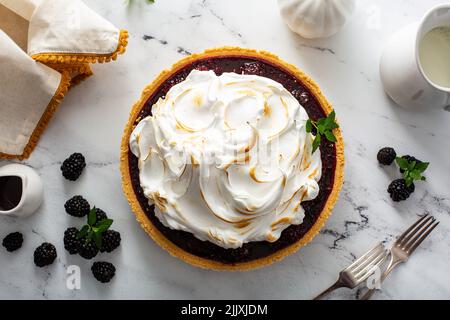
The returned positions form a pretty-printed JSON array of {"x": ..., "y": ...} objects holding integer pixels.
[
  {"x": 13, "y": 241},
  {"x": 100, "y": 214},
  {"x": 410, "y": 159},
  {"x": 87, "y": 249},
  {"x": 103, "y": 271},
  {"x": 399, "y": 191},
  {"x": 386, "y": 156},
  {"x": 71, "y": 241},
  {"x": 77, "y": 206},
  {"x": 45, "y": 254},
  {"x": 73, "y": 166},
  {"x": 110, "y": 240}
]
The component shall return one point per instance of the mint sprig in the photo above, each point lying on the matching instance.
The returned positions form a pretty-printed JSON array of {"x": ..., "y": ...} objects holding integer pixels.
[
  {"x": 93, "y": 230},
  {"x": 324, "y": 128},
  {"x": 412, "y": 170}
]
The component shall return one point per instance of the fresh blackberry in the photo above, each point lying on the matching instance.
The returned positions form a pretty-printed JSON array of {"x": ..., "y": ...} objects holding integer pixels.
[
  {"x": 110, "y": 240},
  {"x": 386, "y": 156},
  {"x": 399, "y": 191},
  {"x": 71, "y": 241},
  {"x": 100, "y": 214},
  {"x": 45, "y": 254},
  {"x": 87, "y": 249},
  {"x": 77, "y": 206},
  {"x": 73, "y": 166},
  {"x": 103, "y": 271},
  {"x": 13, "y": 241},
  {"x": 410, "y": 159}
]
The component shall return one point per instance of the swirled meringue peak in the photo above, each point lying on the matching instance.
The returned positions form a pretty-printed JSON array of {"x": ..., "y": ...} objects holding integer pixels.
[{"x": 227, "y": 158}]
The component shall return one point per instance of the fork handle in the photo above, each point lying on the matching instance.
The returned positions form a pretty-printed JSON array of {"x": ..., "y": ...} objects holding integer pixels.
[
  {"x": 370, "y": 292},
  {"x": 336, "y": 285}
]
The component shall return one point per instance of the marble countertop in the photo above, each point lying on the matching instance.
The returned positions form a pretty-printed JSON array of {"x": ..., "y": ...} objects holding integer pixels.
[{"x": 92, "y": 117}]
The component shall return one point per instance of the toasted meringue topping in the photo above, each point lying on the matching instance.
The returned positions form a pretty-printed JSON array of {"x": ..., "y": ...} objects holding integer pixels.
[{"x": 227, "y": 158}]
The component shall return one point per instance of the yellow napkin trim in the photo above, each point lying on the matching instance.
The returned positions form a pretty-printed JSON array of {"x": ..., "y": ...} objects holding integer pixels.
[
  {"x": 45, "y": 119},
  {"x": 76, "y": 62},
  {"x": 74, "y": 68}
]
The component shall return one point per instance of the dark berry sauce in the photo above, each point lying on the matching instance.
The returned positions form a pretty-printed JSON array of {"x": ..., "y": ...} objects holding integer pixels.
[
  {"x": 253, "y": 250},
  {"x": 10, "y": 192}
]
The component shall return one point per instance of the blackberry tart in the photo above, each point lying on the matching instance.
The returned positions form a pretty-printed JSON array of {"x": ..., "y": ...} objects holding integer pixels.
[{"x": 217, "y": 163}]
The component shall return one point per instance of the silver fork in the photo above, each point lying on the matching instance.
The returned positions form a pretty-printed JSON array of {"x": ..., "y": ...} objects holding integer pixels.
[
  {"x": 405, "y": 245},
  {"x": 358, "y": 271}
]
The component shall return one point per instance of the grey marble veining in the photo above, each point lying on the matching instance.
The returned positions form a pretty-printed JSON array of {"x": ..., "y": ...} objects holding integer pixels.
[{"x": 92, "y": 117}]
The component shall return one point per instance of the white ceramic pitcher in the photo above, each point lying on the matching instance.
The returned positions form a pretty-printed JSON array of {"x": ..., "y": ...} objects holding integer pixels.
[
  {"x": 401, "y": 71},
  {"x": 25, "y": 184}
]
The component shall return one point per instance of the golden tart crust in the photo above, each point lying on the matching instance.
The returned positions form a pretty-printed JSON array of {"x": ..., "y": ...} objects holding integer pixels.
[{"x": 156, "y": 235}]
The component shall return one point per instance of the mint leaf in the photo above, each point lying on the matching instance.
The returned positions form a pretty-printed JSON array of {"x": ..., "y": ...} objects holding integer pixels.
[
  {"x": 330, "y": 119},
  {"x": 421, "y": 167},
  {"x": 92, "y": 217},
  {"x": 97, "y": 239},
  {"x": 94, "y": 229},
  {"x": 104, "y": 225},
  {"x": 84, "y": 230},
  {"x": 330, "y": 136},
  {"x": 325, "y": 127},
  {"x": 412, "y": 171},
  {"x": 321, "y": 122},
  {"x": 321, "y": 128},
  {"x": 405, "y": 174},
  {"x": 309, "y": 126},
  {"x": 415, "y": 175},
  {"x": 402, "y": 163},
  {"x": 409, "y": 181},
  {"x": 102, "y": 229},
  {"x": 333, "y": 126},
  {"x": 316, "y": 143}
]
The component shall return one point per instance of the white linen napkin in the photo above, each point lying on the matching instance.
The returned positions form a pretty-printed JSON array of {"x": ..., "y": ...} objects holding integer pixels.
[{"x": 46, "y": 47}]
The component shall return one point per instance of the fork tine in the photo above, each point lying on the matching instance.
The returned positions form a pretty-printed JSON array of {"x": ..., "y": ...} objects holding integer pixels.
[
  {"x": 370, "y": 269},
  {"x": 415, "y": 235},
  {"x": 400, "y": 238},
  {"x": 368, "y": 261},
  {"x": 364, "y": 257},
  {"x": 416, "y": 231},
  {"x": 364, "y": 273},
  {"x": 404, "y": 238},
  {"x": 379, "y": 263},
  {"x": 417, "y": 242}
]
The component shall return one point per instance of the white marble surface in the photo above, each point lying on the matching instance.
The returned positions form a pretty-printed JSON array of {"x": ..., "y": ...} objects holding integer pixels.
[{"x": 93, "y": 115}]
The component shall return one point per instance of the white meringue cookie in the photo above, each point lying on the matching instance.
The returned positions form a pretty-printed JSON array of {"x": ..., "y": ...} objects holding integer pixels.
[{"x": 316, "y": 18}]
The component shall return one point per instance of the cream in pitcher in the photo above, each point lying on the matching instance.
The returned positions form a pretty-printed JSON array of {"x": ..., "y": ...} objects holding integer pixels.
[
  {"x": 434, "y": 53},
  {"x": 415, "y": 64}
]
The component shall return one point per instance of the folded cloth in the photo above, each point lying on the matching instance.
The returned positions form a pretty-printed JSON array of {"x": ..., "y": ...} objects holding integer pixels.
[{"x": 46, "y": 46}]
